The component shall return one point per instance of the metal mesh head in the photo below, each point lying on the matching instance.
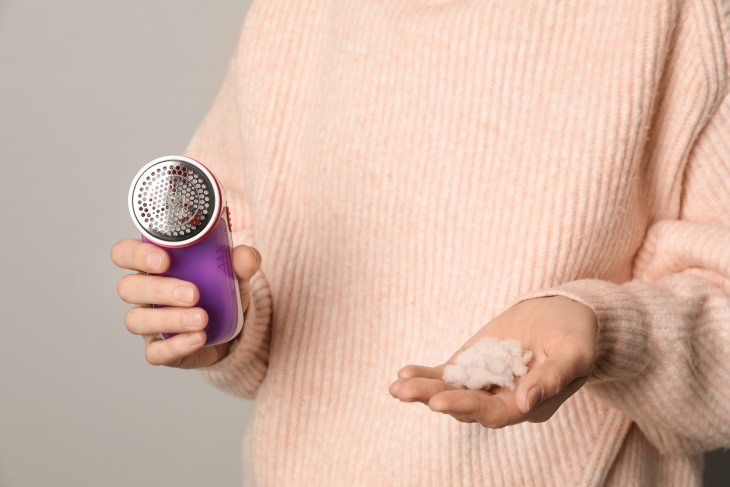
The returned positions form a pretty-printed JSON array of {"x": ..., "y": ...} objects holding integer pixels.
[{"x": 174, "y": 200}]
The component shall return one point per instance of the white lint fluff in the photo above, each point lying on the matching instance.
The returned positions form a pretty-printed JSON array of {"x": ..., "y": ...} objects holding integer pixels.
[{"x": 489, "y": 362}]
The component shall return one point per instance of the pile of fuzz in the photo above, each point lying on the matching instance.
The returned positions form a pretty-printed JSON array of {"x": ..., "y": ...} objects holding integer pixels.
[{"x": 489, "y": 362}]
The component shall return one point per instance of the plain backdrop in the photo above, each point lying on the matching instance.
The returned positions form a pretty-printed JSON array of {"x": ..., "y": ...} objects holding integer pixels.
[{"x": 91, "y": 90}]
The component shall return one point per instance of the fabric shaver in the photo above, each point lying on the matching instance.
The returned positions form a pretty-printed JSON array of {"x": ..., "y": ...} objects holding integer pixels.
[{"x": 176, "y": 203}]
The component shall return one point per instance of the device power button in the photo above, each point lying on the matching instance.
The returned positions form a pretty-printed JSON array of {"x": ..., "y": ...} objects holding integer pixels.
[{"x": 228, "y": 219}]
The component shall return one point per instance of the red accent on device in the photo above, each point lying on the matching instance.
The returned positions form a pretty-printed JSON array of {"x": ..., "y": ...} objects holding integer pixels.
[{"x": 228, "y": 217}]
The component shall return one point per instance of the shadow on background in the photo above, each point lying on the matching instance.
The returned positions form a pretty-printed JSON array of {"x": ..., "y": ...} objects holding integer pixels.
[{"x": 717, "y": 469}]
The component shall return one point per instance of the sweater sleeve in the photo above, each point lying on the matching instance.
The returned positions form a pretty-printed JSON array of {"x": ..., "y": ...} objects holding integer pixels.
[
  {"x": 217, "y": 144},
  {"x": 664, "y": 336}
]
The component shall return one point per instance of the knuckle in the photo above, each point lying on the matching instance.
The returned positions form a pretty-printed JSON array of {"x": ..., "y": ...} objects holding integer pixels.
[{"x": 159, "y": 293}]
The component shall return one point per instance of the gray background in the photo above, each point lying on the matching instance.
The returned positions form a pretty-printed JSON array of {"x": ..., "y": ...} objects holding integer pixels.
[{"x": 89, "y": 91}]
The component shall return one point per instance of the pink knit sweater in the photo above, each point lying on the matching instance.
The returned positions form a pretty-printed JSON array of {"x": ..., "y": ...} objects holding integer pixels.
[{"x": 410, "y": 168}]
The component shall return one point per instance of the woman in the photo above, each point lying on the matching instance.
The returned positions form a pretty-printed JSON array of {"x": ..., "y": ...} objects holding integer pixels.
[{"x": 413, "y": 170}]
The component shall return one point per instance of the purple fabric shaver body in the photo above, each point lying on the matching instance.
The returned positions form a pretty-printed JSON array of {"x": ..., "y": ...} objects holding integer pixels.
[{"x": 177, "y": 204}]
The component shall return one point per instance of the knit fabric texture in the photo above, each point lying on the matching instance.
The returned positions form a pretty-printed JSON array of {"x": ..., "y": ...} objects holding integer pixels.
[{"x": 411, "y": 168}]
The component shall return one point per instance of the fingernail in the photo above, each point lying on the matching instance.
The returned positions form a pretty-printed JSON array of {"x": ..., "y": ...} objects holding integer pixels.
[
  {"x": 192, "y": 320},
  {"x": 183, "y": 294},
  {"x": 533, "y": 396},
  {"x": 194, "y": 339},
  {"x": 154, "y": 261}
]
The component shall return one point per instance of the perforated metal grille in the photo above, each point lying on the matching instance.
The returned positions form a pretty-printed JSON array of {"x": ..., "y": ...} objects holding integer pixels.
[{"x": 173, "y": 201}]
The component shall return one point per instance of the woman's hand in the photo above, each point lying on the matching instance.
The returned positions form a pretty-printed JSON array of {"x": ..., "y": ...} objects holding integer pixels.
[
  {"x": 183, "y": 350},
  {"x": 562, "y": 335}
]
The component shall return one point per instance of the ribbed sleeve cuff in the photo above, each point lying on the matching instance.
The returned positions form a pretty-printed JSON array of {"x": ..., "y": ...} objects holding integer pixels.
[
  {"x": 243, "y": 369},
  {"x": 622, "y": 335}
]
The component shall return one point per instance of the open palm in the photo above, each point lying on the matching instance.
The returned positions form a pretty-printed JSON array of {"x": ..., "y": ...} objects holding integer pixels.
[{"x": 562, "y": 335}]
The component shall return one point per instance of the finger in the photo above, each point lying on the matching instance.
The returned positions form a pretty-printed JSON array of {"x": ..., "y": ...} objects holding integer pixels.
[
  {"x": 490, "y": 410},
  {"x": 153, "y": 321},
  {"x": 246, "y": 261},
  {"x": 173, "y": 351},
  {"x": 545, "y": 409},
  {"x": 547, "y": 379},
  {"x": 417, "y": 389},
  {"x": 205, "y": 357},
  {"x": 145, "y": 289},
  {"x": 463, "y": 418},
  {"x": 140, "y": 256},
  {"x": 421, "y": 371},
  {"x": 195, "y": 358}
]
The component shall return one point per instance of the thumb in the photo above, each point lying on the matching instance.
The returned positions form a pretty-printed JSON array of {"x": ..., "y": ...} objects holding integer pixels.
[
  {"x": 552, "y": 376},
  {"x": 246, "y": 261}
]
